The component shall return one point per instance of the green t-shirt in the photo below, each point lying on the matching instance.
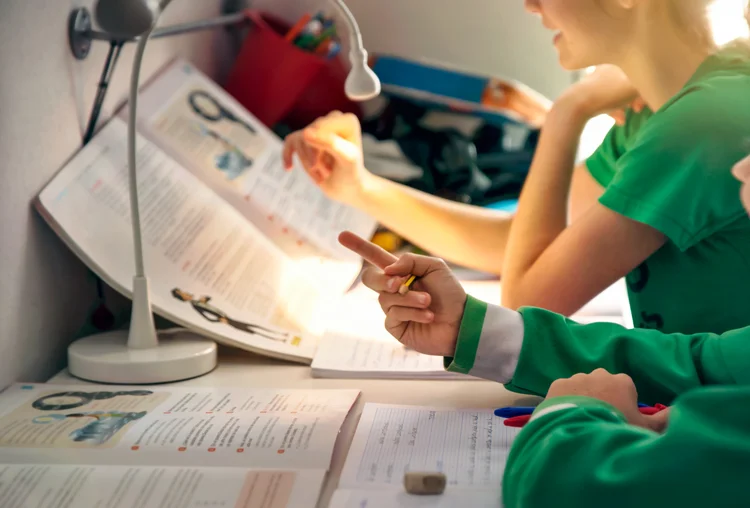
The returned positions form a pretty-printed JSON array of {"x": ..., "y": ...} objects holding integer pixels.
[{"x": 672, "y": 170}]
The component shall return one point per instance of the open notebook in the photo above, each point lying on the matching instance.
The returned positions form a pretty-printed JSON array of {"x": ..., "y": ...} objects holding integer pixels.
[{"x": 357, "y": 345}]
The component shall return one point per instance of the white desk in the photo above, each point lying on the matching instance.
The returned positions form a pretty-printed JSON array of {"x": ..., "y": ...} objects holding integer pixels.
[{"x": 240, "y": 369}]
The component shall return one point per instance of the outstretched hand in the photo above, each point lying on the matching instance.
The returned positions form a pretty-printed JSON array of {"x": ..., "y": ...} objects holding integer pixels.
[{"x": 428, "y": 317}]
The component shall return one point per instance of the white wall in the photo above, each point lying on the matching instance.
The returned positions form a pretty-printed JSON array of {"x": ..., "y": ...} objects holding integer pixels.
[
  {"x": 45, "y": 292},
  {"x": 494, "y": 37}
]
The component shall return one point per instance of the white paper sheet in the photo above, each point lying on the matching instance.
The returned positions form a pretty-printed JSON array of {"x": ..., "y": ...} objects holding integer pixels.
[
  {"x": 348, "y": 356},
  {"x": 469, "y": 446}
]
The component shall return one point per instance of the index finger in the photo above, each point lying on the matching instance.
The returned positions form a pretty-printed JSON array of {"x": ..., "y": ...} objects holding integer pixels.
[{"x": 368, "y": 250}]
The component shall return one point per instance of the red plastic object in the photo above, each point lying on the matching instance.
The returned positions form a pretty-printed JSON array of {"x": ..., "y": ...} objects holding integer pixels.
[
  {"x": 521, "y": 420},
  {"x": 275, "y": 80}
]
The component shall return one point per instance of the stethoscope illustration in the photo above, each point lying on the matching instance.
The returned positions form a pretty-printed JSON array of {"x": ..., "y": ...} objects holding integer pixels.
[
  {"x": 72, "y": 400},
  {"x": 209, "y": 108}
]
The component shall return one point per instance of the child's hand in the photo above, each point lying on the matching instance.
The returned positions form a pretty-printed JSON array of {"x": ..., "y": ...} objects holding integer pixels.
[
  {"x": 428, "y": 317},
  {"x": 617, "y": 390},
  {"x": 605, "y": 90},
  {"x": 330, "y": 150}
]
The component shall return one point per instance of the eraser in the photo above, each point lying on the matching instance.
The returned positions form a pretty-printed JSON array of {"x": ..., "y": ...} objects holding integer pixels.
[{"x": 424, "y": 484}]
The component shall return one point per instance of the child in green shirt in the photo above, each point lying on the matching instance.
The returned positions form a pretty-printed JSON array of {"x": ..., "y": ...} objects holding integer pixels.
[
  {"x": 655, "y": 203},
  {"x": 587, "y": 445}
]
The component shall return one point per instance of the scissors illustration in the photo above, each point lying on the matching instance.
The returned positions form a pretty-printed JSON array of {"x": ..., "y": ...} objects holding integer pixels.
[{"x": 209, "y": 108}]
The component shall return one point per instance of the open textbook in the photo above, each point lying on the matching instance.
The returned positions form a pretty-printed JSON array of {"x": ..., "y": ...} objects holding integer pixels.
[
  {"x": 469, "y": 446},
  {"x": 356, "y": 344},
  {"x": 129, "y": 447},
  {"x": 207, "y": 131},
  {"x": 247, "y": 257}
]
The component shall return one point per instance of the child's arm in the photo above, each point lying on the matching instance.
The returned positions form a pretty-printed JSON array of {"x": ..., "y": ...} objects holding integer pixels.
[
  {"x": 586, "y": 455},
  {"x": 529, "y": 354}
]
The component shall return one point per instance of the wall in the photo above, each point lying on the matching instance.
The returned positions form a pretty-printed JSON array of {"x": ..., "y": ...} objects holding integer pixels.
[
  {"x": 45, "y": 292},
  {"x": 488, "y": 36}
]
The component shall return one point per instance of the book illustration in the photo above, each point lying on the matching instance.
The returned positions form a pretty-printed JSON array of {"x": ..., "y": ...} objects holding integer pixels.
[
  {"x": 100, "y": 429},
  {"x": 206, "y": 129},
  {"x": 233, "y": 162},
  {"x": 205, "y": 105},
  {"x": 71, "y": 400},
  {"x": 215, "y": 315},
  {"x": 77, "y": 418}
]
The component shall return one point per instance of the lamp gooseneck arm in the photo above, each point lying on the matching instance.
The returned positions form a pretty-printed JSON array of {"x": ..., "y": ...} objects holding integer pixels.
[
  {"x": 354, "y": 30},
  {"x": 140, "y": 270},
  {"x": 142, "y": 334}
]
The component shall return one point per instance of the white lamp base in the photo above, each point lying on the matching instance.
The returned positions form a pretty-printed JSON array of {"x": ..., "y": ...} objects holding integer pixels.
[{"x": 106, "y": 358}]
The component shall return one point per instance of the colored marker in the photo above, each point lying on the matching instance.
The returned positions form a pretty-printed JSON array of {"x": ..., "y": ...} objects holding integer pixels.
[{"x": 297, "y": 28}]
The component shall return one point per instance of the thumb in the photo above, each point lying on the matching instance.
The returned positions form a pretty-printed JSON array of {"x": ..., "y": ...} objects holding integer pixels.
[{"x": 413, "y": 264}]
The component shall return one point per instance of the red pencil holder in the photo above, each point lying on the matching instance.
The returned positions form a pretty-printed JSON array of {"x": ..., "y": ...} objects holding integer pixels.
[{"x": 275, "y": 80}]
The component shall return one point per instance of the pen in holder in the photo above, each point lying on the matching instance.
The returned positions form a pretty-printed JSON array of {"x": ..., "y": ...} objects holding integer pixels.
[{"x": 277, "y": 80}]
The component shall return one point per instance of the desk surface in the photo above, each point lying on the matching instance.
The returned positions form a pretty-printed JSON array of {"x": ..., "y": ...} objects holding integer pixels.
[{"x": 238, "y": 369}]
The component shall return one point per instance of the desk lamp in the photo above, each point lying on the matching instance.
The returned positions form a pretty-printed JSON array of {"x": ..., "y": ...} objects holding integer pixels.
[{"x": 137, "y": 356}]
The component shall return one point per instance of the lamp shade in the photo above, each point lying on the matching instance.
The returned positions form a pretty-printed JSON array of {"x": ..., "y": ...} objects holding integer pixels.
[
  {"x": 124, "y": 18},
  {"x": 362, "y": 84}
]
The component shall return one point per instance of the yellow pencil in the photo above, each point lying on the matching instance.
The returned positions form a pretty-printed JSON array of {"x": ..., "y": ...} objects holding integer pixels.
[{"x": 406, "y": 285}]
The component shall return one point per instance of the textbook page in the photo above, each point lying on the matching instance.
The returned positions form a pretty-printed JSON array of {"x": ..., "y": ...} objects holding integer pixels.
[
  {"x": 46, "y": 485},
  {"x": 198, "y": 123},
  {"x": 171, "y": 426},
  {"x": 469, "y": 446},
  {"x": 209, "y": 268}
]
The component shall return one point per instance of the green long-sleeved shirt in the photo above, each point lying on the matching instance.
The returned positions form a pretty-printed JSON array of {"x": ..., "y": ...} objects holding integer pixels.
[{"x": 580, "y": 452}]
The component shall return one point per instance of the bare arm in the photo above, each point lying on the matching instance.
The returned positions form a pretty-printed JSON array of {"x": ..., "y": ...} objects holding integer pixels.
[
  {"x": 330, "y": 151},
  {"x": 552, "y": 265},
  {"x": 468, "y": 235}
]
